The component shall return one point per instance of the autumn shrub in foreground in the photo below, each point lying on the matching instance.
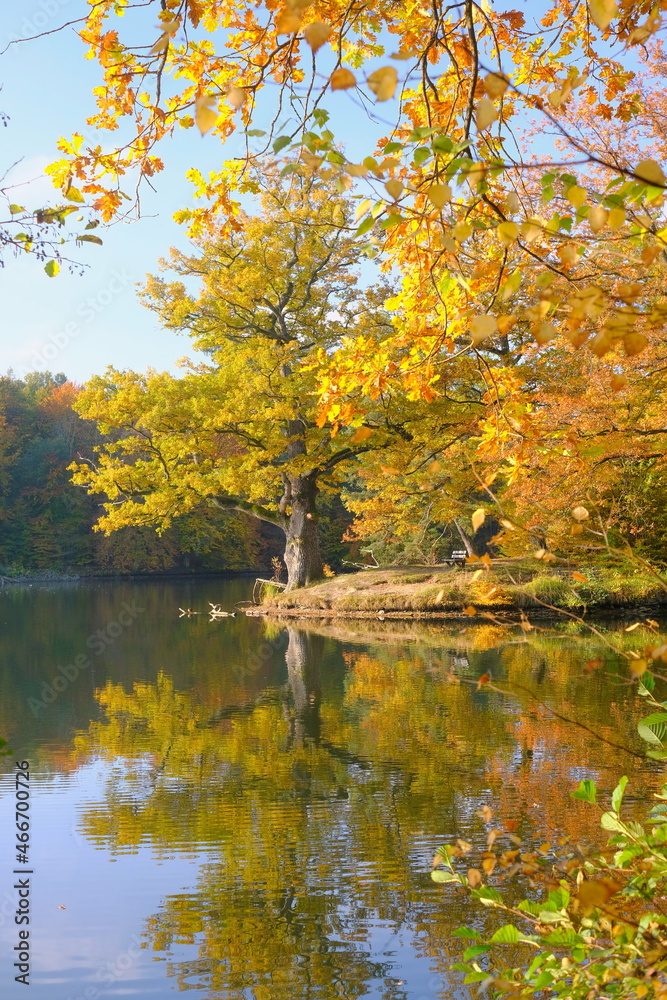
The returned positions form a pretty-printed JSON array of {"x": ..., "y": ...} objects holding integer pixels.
[{"x": 598, "y": 928}]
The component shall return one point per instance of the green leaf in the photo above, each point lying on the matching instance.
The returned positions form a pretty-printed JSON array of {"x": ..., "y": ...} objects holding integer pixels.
[
  {"x": 467, "y": 932},
  {"x": 617, "y": 794},
  {"x": 392, "y": 147},
  {"x": 73, "y": 194},
  {"x": 363, "y": 227},
  {"x": 610, "y": 821},
  {"x": 281, "y": 142},
  {"x": 474, "y": 950},
  {"x": 487, "y": 896},
  {"x": 421, "y": 132},
  {"x": 89, "y": 238},
  {"x": 442, "y": 876},
  {"x": 586, "y": 791},
  {"x": 52, "y": 268},
  {"x": 421, "y": 155},
  {"x": 256, "y": 131},
  {"x": 506, "y": 935},
  {"x": 391, "y": 221},
  {"x": 653, "y": 728},
  {"x": 442, "y": 144}
]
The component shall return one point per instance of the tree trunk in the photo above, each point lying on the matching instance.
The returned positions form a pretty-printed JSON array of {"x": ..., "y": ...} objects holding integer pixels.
[{"x": 302, "y": 547}]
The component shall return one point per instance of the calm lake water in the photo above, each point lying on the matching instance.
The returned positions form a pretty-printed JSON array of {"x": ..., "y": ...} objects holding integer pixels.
[{"x": 245, "y": 811}]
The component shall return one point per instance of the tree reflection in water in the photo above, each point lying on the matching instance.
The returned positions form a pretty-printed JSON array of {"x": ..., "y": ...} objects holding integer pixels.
[{"x": 315, "y": 807}]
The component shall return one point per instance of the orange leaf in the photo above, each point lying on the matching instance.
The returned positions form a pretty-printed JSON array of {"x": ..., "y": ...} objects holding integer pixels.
[
  {"x": 579, "y": 576},
  {"x": 361, "y": 434},
  {"x": 342, "y": 79},
  {"x": 383, "y": 82},
  {"x": 484, "y": 679},
  {"x": 316, "y": 34}
]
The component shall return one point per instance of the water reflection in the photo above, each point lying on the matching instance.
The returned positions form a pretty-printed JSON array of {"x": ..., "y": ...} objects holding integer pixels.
[{"x": 310, "y": 773}]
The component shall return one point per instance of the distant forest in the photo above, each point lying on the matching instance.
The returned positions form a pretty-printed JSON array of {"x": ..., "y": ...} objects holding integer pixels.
[{"x": 46, "y": 522}]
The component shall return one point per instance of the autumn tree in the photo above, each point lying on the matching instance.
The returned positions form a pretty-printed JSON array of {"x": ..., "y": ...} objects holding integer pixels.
[{"x": 242, "y": 430}]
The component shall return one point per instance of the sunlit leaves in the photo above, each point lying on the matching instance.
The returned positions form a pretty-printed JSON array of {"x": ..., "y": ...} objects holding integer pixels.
[
  {"x": 478, "y": 518},
  {"x": 205, "y": 114},
  {"x": 485, "y": 113},
  {"x": 482, "y": 327},
  {"x": 383, "y": 82},
  {"x": 602, "y": 12},
  {"x": 342, "y": 79},
  {"x": 288, "y": 22},
  {"x": 316, "y": 34},
  {"x": 495, "y": 84},
  {"x": 439, "y": 195},
  {"x": 651, "y": 172}
]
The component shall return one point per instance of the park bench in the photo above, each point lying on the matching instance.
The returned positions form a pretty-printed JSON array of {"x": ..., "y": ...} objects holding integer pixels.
[{"x": 458, "y": 557}]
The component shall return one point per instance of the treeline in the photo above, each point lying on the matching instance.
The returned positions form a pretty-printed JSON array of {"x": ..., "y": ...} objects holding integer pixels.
[{"x": 46, "y": 522}]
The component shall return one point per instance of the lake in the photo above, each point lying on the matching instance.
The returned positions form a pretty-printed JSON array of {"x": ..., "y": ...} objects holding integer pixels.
[{"x": 247, "y": 811}]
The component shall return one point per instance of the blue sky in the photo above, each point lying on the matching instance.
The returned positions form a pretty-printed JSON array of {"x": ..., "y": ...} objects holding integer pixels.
[{"x": 81, "y": 323}]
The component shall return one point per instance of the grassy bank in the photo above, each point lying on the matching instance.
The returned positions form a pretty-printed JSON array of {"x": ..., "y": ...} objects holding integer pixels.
[{"x": 508, "y": 585}]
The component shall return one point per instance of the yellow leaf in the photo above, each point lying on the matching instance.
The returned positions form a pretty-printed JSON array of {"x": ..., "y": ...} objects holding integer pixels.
[
  {"x": 483, "y": 327},
  {"x": 342, "y": 79},
  {"x": 576, "y": 195},
  {"x": 531, "y": 229},
  {"x": 597, "y": 218},
  {"x": 631, "y": 628},
  {"x": 618, "y": 382},
  {"x": 394, "y": 188},
  {"x": 388, "y": 471},
  {"x": 634, "y": 343},
  {"x": 362, "y": 208},
  {"x": 73, "y": 194},
  {"x": 288, "y": 22},
  {"x": 508, "y": 232},
  {"x": 439, "y": 195},
  {"x": 495, "y": 84},
  {"x": 568, "y": 254},
  {"x": 476, "y": 575},
  {"x": 470, "y": 611},
  {"x": 651, "y": 172},
  {"x": 505, "y": 324},
  {"x": 237, "y": 97},
  {"x": 601, "y": 344},
  {"x": 602, "y": 12},
  {"x": 462, "y": 231},
  {"x": 316, "y": 34},
  {"x": 649, "y": 254},
  {"x": 486, "y": 113},
  {"x": 161, "y": 44},
  {"x": 434, "y": 466},
  {"x": 638, "y": 667},
  {"x": 544, "y": 333},
  {"x": 361, "y": 434},
  {"x": 205, "y": 115},
  {"x": 474, "y": 877},
  {"x": 616, "y": 218},
  {"x": 478, "y": 518},
  {"x": 383, "y": 82},
  {"x": 355, "y": 169},
  {"x": 580, "y": 513}
]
